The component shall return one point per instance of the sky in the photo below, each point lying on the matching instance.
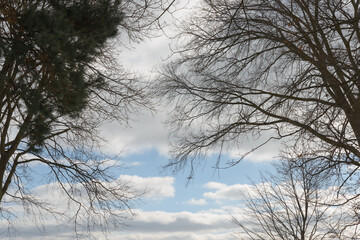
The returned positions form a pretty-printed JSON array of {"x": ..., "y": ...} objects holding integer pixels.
[{"x": 171, "y": 208}]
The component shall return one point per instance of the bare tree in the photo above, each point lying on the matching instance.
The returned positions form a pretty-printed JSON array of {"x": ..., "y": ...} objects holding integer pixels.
[
  {"x": 288, "y": 68},
  {"x": 296, "y": 203},
  {"x": 59, "y": 83}
]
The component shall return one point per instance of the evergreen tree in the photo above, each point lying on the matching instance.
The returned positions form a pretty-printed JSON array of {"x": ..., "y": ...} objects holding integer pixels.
[
  {"x": 58, "y": 83},
  {"x": 45, "y": 52}
]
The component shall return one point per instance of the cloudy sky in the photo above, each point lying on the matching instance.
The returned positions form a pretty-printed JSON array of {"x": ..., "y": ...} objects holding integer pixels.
[{"x": 170, "y": 208}]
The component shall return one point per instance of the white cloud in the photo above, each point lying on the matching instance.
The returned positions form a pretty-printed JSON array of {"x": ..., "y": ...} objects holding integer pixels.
[
  {"x": 151, "y": 187},
  {"x": 225, "y": 192},
  {"x": 146, "y": 132},
  {"x": 123, "y": 235},
  {"x": 161, "y": 221},
  {"x": 146, "y": 55},
  {"x": 159, "y": 225},
  {"x": 147, "y": 187},
  {"x": 197, "y": 202},
  {"x": 30, "y": 226},
  {"x": 214, "y": 185},
  {"x": 177, "y": 236},
  {"x": 208, "y": 224}
]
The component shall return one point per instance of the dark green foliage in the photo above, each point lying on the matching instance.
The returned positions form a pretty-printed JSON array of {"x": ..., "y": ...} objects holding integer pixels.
[
  {"x": 59, "y": 82},
  {"x": 51, "y": 46}
]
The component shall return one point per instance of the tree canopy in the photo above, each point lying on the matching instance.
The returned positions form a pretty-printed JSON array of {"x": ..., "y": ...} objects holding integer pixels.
[
  {"x": 287, "y": 68},
  {"x": 59, "y": 83},
  {"x": 284, "y": 69},
  {"x": 296, "y": 202},
  {"x": 46, "y": 52}
]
